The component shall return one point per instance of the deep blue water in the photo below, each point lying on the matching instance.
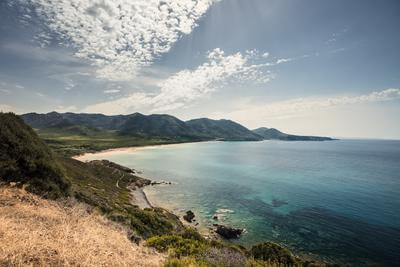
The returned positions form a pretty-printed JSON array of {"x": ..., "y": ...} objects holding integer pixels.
[{"x": 339, "y": 200}]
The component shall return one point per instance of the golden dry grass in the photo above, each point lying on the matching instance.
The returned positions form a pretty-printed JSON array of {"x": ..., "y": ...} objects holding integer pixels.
[{"x": 39, "y": 232}]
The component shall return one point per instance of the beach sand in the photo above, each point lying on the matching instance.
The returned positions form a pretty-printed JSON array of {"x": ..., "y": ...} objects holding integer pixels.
[{"x": 123, "y": 150}]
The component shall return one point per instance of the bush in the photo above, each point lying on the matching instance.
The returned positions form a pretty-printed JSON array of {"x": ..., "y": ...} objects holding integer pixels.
[
  {"x": 226, "y": 257},
  {"x": 177, "y": 245},
  {"x": 272, "y": 253},
  {"x": 185, "y": 262},
  {"x": 191, "y": 233}
]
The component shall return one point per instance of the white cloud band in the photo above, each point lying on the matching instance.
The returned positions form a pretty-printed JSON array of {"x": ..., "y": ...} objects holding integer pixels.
[{"x": 120, "y": 36}]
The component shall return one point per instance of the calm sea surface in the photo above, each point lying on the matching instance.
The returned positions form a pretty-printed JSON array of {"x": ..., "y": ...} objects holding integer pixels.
[{"x": 339, "y": 200}]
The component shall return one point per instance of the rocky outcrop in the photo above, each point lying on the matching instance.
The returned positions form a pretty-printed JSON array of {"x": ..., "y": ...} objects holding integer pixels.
[
  {"x": 189, "y": 216},
  {"x": 228, "y": 232}
]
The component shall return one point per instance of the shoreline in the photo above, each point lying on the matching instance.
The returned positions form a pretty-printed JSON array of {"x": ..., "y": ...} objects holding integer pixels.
[
  {"x": 140, "y": 198},
  {"x": 204, "y": 229},
  {"x": 132, "y": 149}
]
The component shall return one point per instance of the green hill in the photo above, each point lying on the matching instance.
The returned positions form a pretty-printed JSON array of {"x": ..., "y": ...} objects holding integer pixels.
[
  {"x": 159, "y": 126},
  {"x": 25, "y": 159},
  {"x": 226, "y": 130}
]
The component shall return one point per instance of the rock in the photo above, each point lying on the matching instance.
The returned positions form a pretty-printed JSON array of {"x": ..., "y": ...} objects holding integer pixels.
[
  {"x": 189, "y": 216},
  {"x": 215, "y": 217},
  {"x": 228, "y": 232},
  {"x": 135, "y": 239},
  {"x": 276, "y": 203}
]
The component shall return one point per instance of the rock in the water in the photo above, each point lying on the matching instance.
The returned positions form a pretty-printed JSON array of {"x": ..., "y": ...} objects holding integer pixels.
[
  {"x": 189, "y": 216},
  {"x": 228, "y": 232},
  {"x": 215, "y": 217}
]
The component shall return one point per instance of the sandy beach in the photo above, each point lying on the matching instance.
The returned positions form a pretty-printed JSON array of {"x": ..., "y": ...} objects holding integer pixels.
[{"x": 115, "y": 151}]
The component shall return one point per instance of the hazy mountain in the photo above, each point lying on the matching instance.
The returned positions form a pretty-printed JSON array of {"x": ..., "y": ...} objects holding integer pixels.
[{"x": 274, "y": 134}]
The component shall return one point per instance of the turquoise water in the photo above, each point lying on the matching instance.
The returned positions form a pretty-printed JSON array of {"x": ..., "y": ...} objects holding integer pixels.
[{"x": 339, "y": 200}]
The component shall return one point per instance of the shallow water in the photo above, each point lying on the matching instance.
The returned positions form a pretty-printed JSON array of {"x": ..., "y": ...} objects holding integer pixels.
[{"x": 339, "y": 200}]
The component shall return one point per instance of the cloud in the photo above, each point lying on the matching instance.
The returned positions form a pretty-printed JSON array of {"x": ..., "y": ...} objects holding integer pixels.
[
  {"x": 112, "y": 91},
  {"x": 187, "y": 86},
  {"x": 119, "y": 36},
  {"x": 5, "y": 91},
  {"x": 283, "y": 60},
  {"x": 298, "y": 107}
]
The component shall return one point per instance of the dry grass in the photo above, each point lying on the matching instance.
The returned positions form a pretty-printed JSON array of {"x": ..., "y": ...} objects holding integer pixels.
[{"x": 38, "y": 232}]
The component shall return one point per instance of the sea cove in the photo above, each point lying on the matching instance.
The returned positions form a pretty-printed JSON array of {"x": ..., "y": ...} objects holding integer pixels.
[{"x": 336, "y": 200}]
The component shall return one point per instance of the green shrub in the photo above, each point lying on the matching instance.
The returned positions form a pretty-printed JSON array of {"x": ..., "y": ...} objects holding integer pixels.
[
  {"x": 272, "y": 253},
  {"x": 177, "y": 245},
  {"x": 185, "y": 262},
  {"x": 191, "y": 233}
]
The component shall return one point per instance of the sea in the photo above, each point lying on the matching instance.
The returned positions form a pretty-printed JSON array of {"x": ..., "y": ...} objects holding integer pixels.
[{"x": 337, "y": 201}]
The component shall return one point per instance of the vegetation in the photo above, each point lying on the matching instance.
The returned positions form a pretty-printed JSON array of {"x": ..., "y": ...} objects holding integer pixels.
[
  {"x": 71, "y": 143},
  {"x": 96, "y": 184},
  {"x": 190, "y": 249},
  {"x": 24, "y": 158},
  {"x": 72, "y": 134},
  {"x": 272, "y": 253},
  {"x": 39, "y": 232}
]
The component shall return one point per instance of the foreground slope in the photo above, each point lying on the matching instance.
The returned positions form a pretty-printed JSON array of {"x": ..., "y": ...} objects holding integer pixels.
[
  {"x": 39, "y": 232},
  {"x": 28, "y": 162},
  {"x": 274, "y": 134}
]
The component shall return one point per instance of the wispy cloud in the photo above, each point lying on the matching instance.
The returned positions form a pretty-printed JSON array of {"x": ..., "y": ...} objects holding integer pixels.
[
  {"x": 189, "y": 85},
  {"x": 5, "y": 91},
  {"x": 112, "y": 91},
  {"x": 118, "y": 36},
  {"x": 296, "y": 107}
]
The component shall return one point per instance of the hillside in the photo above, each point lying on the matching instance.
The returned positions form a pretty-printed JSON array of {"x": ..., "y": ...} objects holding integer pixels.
[
  {"x": 27, "y": 161},
  {"x": 222, "y": 129},
  {"x": 24, "y": 158},
  {"x": 156, "y": 126},
  {"x": 161, "y": 126},
  {"x": 72, "y": 134},
  {"x": 274, "y": 134},
  {"x": 39, "y": 232}
]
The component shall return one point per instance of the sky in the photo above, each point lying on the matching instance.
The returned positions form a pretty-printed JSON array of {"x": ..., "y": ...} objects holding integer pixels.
[{"x": 308, "y": 67}]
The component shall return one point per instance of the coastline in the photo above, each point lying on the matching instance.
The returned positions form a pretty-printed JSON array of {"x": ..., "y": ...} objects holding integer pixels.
[
  {"x": 83, "y": 157},
  {"x": 139, "y": 198}
]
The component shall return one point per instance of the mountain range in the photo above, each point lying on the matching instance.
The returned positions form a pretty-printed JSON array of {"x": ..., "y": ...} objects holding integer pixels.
[{"x": 157, "y": 126}]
